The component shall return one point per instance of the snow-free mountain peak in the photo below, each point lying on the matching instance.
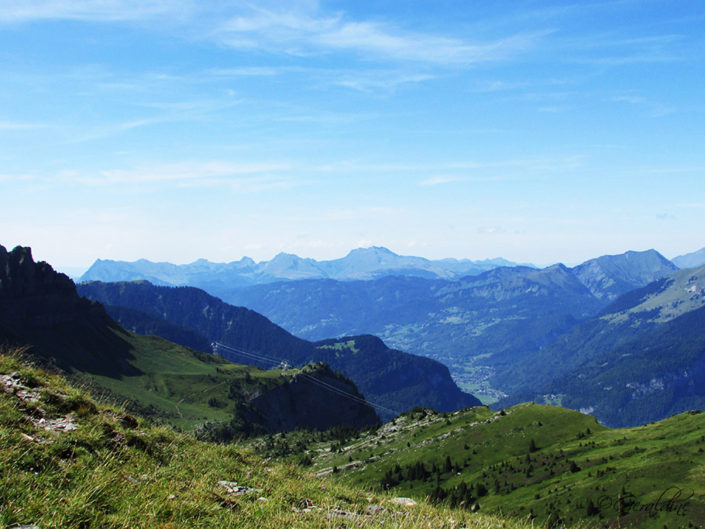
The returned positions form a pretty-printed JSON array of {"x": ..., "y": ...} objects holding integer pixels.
[
  {"x": 690, "y": 260},
  {"x": 361, "y": 263},
  {"x": 610, "y": 276}
]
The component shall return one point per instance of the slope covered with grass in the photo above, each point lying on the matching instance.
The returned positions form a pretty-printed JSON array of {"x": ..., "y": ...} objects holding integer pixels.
[
  {"x": 529, "y": 461},
  {"x": 68, "y": 461}
]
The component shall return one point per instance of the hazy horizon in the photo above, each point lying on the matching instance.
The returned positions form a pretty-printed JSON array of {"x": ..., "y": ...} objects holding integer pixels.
[{"x": 77, "y": 271}]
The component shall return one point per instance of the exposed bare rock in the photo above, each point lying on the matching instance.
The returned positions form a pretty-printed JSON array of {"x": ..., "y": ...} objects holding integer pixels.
[
  {"x": 13, "y": 384},
  {"x": 62, "y": 424},
  {"x": 233, "y": 489},
  {"x": 407, "y": 502}
]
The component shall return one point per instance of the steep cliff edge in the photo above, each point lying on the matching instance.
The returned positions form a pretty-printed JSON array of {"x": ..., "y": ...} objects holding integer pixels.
[{"x": 40, "y": 307}]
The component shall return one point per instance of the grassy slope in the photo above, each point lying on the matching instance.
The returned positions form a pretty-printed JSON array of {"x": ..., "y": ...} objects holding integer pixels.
[
  {"x": 116, "y": 471},
  {"x": 576, "y": 461},
  {"x": 179, "y": 382}
]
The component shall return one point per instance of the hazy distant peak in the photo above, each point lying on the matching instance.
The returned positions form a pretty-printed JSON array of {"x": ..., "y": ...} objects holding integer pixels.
[
  {"x": 557, "y": 266},
  {"x": 359, "y": 264},
  {"x": 610, "y": 276},
  {"x": 372, "y": 250},
  {"x": 690, "y": 260},
  {"x": 284, "y": 255}
]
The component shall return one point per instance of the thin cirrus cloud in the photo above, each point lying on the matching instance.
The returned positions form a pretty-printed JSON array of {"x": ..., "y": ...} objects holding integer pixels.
[
  {"x": 19, "y": 125},
  {"x": 300, "y": 33},
  {"x": 370, "y": 80},
  {"x": 440, "y": 180},
  {"x": 609, "y": 50},
  {"x": 299, "y": 28},
  {"x": 206, "y": 173},
  {"x": 91, "y": 10},
  {"x": 374, "y": 81}
]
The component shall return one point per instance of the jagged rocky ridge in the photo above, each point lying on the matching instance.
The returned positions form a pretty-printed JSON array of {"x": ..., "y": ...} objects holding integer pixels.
[{"x": 39, "y": 306}]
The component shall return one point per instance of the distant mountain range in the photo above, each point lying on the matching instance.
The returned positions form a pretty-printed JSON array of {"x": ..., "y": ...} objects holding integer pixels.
[
  {"x": 640, "y": 360},
  {"x": 478, "y": 325},
  {"x": 610, "y": 276},
  {"x": 393, "y": 379},
  {"x": 690, "y": 260},
  {"x": 363, "y": 263}
]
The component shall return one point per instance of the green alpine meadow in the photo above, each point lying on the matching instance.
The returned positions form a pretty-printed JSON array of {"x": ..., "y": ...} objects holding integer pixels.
[
  {"x": 554, "y": 466},
  {"x": 69, "y": 461}
]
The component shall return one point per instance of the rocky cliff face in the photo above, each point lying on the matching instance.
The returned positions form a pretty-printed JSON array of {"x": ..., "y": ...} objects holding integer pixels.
[
  {"x": 40, "y": 307},
  {"x": 31, "y": 293}
]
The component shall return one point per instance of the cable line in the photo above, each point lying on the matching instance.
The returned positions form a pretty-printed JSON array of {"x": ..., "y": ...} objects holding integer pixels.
[{"x": 274, "y": 362}]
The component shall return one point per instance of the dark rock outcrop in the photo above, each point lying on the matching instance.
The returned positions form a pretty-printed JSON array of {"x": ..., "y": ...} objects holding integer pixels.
[{"x": 40, "y": 307}]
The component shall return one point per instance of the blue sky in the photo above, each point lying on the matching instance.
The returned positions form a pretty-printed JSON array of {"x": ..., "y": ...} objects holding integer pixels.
[{"x": 174, "y": 130}]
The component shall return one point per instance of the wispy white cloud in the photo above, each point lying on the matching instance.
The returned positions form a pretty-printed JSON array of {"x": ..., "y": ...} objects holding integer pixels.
[
  {"x": 530, "y": 165},
  {"x": 652, "y": 108},
  {"x": 375, "y": 81},
  {"x": 309, "y": 32},
  {"x": 363, "y": 80},
  {"x": 634, "y": 100},
  {"x": 497, "y": 85},
  {"x": 376, "y": 39},
  {"x": 440, "y": 180},
  {"x": 19, "y": 125},
  {"x": 7, "y": 177},
  {"x": 190, "y": 171},
  {"x": 239, "y": 175},
  {"x": 553, "y": 109},
  {"x": 92, "y": 10},
  {"x": 611, "y": 50},
  {"x": 250, "y": 71}
]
